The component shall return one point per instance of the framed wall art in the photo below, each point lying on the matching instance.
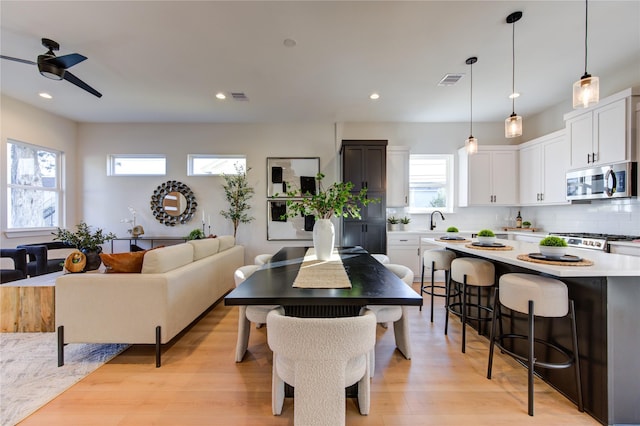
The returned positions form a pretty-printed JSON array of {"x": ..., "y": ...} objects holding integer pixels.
[{"x": 291, "y": 173}]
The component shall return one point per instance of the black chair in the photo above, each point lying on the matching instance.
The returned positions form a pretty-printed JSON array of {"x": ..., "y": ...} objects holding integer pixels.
[
  {"x": 19, "y": 271},
  {"x": 38, "y": 262}
]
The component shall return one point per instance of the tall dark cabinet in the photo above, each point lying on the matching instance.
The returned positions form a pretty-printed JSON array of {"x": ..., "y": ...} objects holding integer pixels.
[{"x": 364, "y": 163}]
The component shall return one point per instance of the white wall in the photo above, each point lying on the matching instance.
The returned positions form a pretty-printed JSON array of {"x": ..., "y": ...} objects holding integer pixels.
[
  {"x": 105, "y": 199},
  {"x": 25, "y": 123}
]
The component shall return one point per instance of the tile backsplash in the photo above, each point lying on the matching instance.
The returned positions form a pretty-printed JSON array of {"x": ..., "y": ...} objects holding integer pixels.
[{"x": 602, "y": 216}]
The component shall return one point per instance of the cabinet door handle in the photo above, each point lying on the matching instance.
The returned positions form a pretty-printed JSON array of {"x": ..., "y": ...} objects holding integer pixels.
[
  {"x": 588, "y": 158},
  {"x": 404, "y": 240},
  {"x": 538, "y": 196},
  {"x": 541, "y": 196},
  {"x": 593, "y": 157},
  {"x": 406, "y": 199}
]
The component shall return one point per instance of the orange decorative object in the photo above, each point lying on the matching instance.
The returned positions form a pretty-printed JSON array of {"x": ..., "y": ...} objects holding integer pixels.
[{"x": 75, "y": 262}]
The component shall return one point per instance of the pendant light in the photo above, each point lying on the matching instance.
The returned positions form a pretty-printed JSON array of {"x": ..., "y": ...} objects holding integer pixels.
[
  {"x": 513, "y": 123},
  {"x": 471, "y": 144},
  {"x": 586, "y": 91}
]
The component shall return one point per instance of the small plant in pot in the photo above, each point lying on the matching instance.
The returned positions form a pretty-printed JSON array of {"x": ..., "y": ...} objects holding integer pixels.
[
  {"x": 87, "y": 241},
  {"x": 553, "y": 246},
  {"x": 526, "y": 224},
  {"x": 486, "y": 236},
  {"x": 405, "y": 222},
  {"x": 393, "y": 223}
]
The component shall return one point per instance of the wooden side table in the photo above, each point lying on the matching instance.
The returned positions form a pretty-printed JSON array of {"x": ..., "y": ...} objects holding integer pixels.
[{"x": 28, "y": 306}]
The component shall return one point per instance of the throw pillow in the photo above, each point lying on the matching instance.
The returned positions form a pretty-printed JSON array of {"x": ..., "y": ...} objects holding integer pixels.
[{"x": 123, "y": 262}]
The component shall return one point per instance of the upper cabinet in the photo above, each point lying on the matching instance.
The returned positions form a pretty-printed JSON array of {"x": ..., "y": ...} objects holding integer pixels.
[
  {"x": 365, "y": 165},
  {"x": 543, "y": 164},
  {"x": 603, "y": 133},
  {"x": 489, "y": 177},
  {"x": 397, "y": 176}
]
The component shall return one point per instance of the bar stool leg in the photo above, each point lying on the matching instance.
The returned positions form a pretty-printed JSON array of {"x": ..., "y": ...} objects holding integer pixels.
[
  {"x": 492, "y": 333},
  {"x": 464, "y": 312},
  {"x": 433, "y": 275},
  {"x": 422, "y": 285},
  {"x": 447, "y": 295},
  {"x": 531, "y": 360},
  {"x": 576, "y": 361}
]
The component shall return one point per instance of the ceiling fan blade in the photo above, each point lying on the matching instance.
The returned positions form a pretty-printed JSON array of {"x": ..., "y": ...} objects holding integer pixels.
[
  {"x": 66, "y": 61},
  {"x": 81, "y": 84},
  {"x": 24, "y": 61}
]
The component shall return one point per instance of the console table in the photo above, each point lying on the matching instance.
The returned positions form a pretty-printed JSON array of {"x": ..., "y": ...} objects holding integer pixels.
[
  {"x": 152, "y": 240},
  {"x": 28, "y": 305}
]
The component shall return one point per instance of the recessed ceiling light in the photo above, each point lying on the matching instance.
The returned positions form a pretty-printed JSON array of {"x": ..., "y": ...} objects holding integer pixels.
[
  {"x": 514, "y": 95},
  {"x": 374, "y": 96},
  {"x": 289, "y": 42},
  {"x": 221, "y": 96},
  {"x": 45, "y": 95}
]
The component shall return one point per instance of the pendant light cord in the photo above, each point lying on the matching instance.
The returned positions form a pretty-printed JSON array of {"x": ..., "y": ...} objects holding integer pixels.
[
  {"x": 513, "y": 68},
  {"x": 586, "y": 31},
  {"x": 471, "y": 105}
]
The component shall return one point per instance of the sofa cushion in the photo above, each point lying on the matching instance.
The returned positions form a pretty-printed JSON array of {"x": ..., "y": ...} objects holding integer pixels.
[
  {"x": 226, "y": 242},
  {"x": 167, "y": 258},
  {"x": 204, "y": 248},
  {"x": 123, "y": 262}
]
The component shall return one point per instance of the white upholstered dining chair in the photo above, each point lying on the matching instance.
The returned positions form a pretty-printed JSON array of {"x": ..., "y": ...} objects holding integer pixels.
[
  {"x": 396, "y": 314},
  {"x": 320, "y": 357},
  {"x": 248, "y": 314},
  {"x": 261, "y": 259}
]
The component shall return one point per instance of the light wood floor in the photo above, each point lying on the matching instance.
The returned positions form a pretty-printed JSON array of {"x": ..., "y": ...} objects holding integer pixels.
[{"x": 200, "y": 384}]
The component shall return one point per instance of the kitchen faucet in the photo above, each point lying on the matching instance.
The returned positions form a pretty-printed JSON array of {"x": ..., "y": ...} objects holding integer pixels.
[{"x": 433, "y": 225}]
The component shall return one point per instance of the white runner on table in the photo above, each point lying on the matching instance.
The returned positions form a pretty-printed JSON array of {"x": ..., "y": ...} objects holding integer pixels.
[{"x": 316, "y": 273}]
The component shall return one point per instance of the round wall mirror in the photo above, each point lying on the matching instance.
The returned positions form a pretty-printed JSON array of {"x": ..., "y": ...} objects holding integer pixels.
[{"x": 173, "y": 202}]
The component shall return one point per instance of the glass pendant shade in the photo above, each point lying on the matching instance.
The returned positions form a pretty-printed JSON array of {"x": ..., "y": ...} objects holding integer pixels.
[
  {"x": 513, "y": 126},
  {"x": 471, "y": 144},
  {"x": 586, "y": 91}
]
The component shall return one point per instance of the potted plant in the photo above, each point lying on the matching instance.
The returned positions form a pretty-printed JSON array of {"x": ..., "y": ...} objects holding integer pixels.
[
  {"x": 405, "y": 222},
  {"x": 335, "y": 200},
  {"x": 237, "y": 192},
  {"x": 486, "y": 236},
  {"x": 393, "y": 223},
  {"x": 87, "y": 241},
  {"x": 552, "y": 246},
  {"x": 526, "y": 224},
  {"x": 196, "y": 234}
]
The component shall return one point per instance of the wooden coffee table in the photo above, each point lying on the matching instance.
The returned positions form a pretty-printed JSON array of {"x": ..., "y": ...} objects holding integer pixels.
[{"x": 28, "y": 306}]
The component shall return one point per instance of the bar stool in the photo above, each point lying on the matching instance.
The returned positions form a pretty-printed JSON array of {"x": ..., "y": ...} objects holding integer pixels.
[
  {"x": 535, "y": 296},
  {"x": 469, "y": 272},
  {"x": 438, "y": 260}
]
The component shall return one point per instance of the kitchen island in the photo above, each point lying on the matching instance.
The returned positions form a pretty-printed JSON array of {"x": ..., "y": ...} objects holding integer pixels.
[{"x": 607, "y": 299}]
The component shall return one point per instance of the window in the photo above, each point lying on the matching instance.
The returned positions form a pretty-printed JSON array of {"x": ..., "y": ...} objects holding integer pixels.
[
  {"x": 136, "y": 165},
  {"x": 34, "y": 192},
  {"x": 215, "y": 165},
  {"x": 430, "y": 183}
]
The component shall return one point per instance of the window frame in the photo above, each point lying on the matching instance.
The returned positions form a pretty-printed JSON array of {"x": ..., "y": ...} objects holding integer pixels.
[
  {"x": 112, "y": 158},
  {"x": 192, "y": 157},
  {"x": 449, "y": 186},
  {"x": 57, "y": 190}
]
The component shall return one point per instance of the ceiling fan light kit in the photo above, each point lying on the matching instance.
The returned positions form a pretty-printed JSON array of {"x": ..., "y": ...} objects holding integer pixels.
[
  {"x": 471, "y": 144},
  {"x": 513, "y": 123},
  {"x": 586, "y": 91},
  {"x": 56, "y": 67}
]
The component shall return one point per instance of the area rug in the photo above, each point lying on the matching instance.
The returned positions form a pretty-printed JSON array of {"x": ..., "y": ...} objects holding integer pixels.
[{"x": 29, "y": 372}]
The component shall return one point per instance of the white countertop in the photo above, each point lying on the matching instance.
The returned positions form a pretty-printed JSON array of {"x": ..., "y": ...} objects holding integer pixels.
[{"x": 604, "y": 264}]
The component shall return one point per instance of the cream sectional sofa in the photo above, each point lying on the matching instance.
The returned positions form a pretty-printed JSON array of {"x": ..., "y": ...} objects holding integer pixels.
[{"x": 177, "y": 284}]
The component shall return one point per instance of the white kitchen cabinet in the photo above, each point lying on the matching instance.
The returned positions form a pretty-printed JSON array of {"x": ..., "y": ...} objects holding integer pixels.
[
  {"x": 603, "y": 133},
  {"x": 627, "y": 249},
  {"x": 397, "y": 176},
  {"x": 543, "y": 165},
  {"x": 403, "y": 248},
  {"x": 489, "y": 177}
]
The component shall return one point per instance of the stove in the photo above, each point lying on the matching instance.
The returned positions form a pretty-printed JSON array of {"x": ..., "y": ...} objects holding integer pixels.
[{"x": 591, "y": 241}]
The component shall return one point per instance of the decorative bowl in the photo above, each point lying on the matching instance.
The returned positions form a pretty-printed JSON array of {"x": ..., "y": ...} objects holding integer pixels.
[
  {"x": 486, "y": 240},
  {"x": 552, "y": 251}
]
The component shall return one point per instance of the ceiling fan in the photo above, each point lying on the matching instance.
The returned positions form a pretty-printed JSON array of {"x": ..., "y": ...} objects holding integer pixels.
[{"x": 56, "y": 67}]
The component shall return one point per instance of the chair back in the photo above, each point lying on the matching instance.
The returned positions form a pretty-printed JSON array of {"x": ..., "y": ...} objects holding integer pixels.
[
  {"x": 261, "y": 259},
  {"x": 244, "y": 272},
  {"x": 402, "y": 272},
  {"x": 329, "y": 339}
]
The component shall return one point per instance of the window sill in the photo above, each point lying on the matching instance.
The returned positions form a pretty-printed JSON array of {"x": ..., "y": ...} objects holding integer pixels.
[{"x": 26, "y": 233}]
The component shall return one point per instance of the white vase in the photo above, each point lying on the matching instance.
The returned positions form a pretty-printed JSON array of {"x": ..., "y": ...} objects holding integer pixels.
[{"x": 323, "y": 238}]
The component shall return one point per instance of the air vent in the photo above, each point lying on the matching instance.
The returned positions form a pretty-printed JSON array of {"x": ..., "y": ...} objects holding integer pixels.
[
  {"x": 450, "y": 79},
  {"x": 239, "y": 96}
]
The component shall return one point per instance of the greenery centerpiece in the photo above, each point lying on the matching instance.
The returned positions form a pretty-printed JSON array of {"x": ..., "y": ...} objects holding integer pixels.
[
  {"x": 86, "y": 240},
  {"x": 486, "y": 236},
  {"x": 553, "y": 246},
  {"x": 338, "y": 199},
  {"x": 526, "y": 224},
  {"x": 238, "y": 193},
  {"x": 452, "y": 229}
]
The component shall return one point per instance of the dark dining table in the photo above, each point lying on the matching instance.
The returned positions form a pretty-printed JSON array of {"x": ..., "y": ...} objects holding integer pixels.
[{"x": 371, "y": 284}]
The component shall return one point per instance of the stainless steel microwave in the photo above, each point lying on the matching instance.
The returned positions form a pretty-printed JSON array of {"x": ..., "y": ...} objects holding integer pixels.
[{"x": 612, "y": 181}]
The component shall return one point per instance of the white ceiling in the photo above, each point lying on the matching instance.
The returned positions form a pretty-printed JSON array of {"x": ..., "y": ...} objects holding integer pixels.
[{"x": 163, "y": 61}]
